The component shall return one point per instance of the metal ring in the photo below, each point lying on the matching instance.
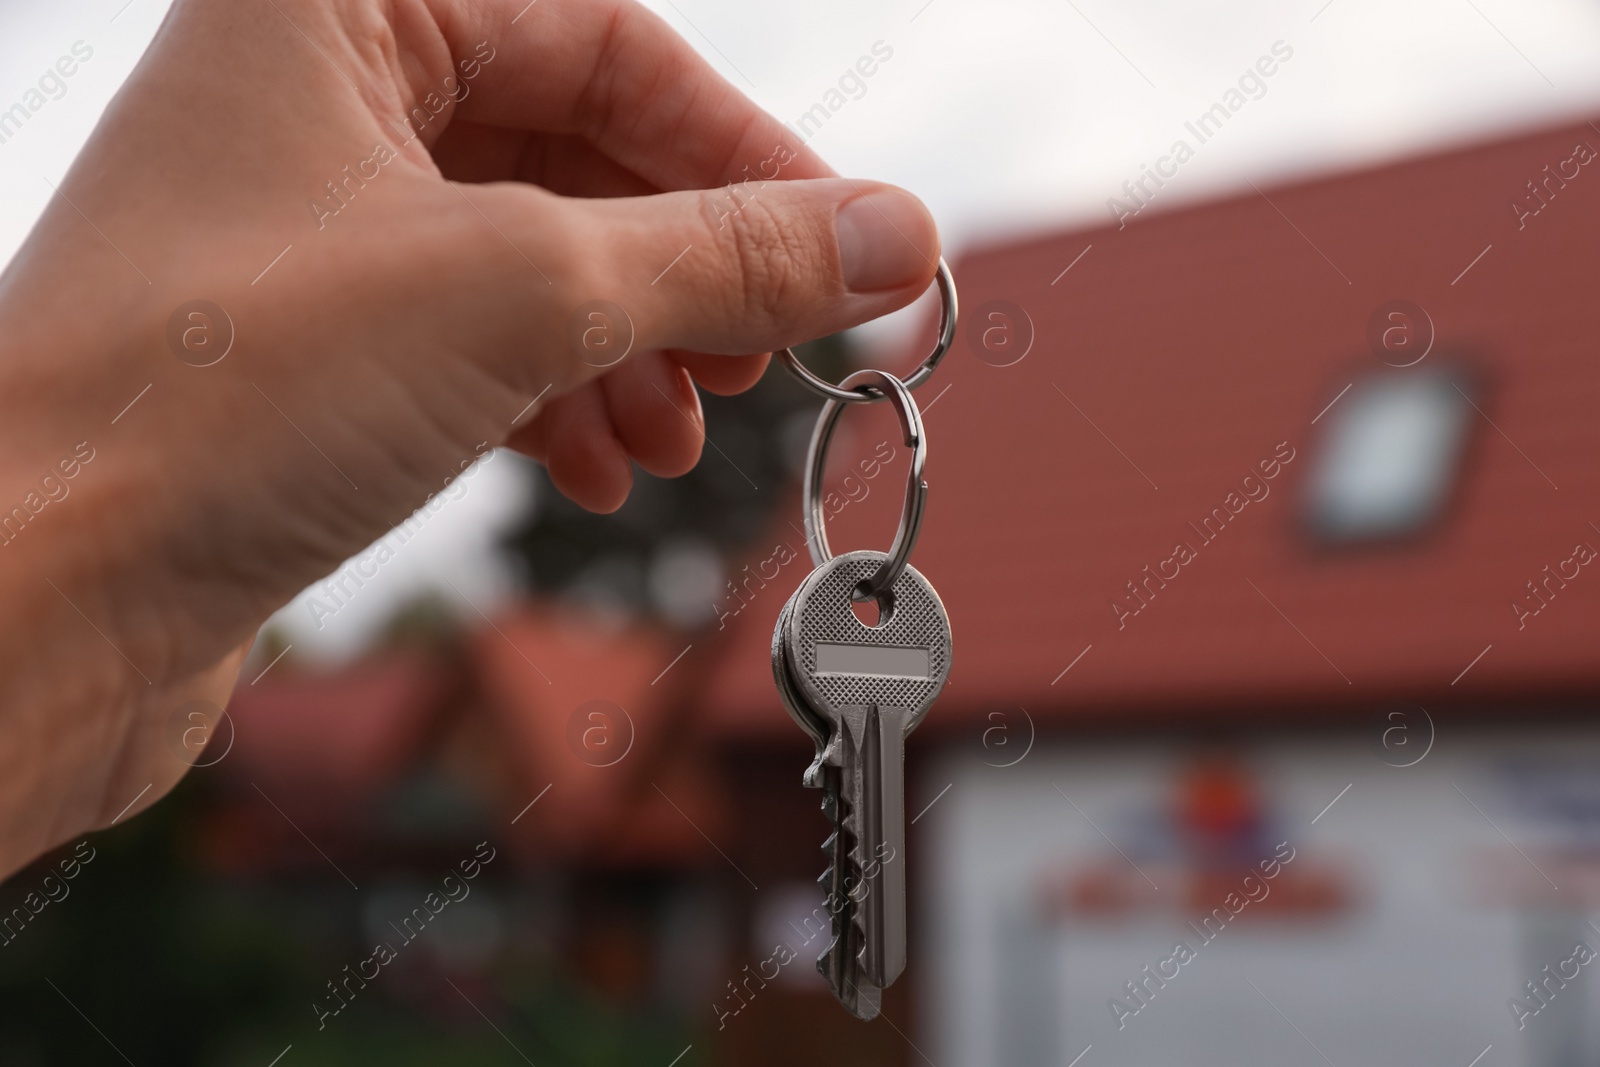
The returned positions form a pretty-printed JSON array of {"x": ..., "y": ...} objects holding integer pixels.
[
  {"x": 947, "y": 335},
  {"x": 883, "y": 385}
]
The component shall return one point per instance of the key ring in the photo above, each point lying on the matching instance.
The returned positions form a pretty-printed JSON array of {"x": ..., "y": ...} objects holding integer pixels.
[
  {"x": 870, "y": 385},
  {"x": 947, "y": 335}
]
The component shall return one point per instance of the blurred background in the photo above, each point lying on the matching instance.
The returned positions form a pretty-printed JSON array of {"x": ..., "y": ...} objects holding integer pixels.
[{"x": 1263, "y": 491}]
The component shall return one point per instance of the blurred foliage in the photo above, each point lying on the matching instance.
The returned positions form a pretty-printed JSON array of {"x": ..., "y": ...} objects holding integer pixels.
[
  {"x": 152, "y": 959},
  {"x": 426, "y": 620},
  {"x": 756, "y": 442}
]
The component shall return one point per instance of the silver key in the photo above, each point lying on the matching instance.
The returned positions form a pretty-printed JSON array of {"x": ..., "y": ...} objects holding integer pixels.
[
  {"x": 838, "y": 964},
  {"x": 872, "y": 686}
]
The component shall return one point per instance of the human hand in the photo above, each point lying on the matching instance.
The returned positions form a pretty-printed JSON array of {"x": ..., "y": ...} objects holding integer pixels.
[{"x": 559, "y": 154}]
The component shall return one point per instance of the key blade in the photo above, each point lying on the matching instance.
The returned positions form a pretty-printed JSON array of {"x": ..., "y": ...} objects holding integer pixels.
[
  {"x": 839, "y": 964},
  {"x": 871, "y": 745},
  {"x": 881, "y": 848}
]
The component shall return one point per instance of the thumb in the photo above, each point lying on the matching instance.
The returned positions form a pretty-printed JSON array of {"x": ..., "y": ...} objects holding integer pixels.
[{"x": 759, "y": 265}]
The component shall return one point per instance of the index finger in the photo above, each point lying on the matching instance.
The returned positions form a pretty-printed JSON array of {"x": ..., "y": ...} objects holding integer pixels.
[{"x": 617, "y": 75}]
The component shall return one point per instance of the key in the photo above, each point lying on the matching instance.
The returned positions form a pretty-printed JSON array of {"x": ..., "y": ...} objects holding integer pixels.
[
  {"x": 872, "y": 686},
  {"x": 838, "y": 963}
]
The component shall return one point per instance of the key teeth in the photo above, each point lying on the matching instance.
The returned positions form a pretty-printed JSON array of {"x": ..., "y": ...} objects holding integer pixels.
[
  {"x": 835, "y": 963},
  {"x": 854, "y": 991},
  {"x": 857, "y": 921},
  {"x": 850, "y": 826},
  {"x": 825, "y": 961}
]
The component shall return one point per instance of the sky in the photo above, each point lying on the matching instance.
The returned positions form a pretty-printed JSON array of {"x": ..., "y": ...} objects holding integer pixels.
[{"x": 1005, "y": 116}]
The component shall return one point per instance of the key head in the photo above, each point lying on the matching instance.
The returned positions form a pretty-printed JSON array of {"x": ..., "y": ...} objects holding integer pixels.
[{"x": 839, "y": 662}]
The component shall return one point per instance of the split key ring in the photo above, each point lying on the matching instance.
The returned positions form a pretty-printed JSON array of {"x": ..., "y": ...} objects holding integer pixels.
[
  {"x": 870, "y": 385},
  {"x": 844, "y": 395}
]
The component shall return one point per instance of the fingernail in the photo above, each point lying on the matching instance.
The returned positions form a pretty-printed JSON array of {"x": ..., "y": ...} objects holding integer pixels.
[{"x": 887, "y": 240}]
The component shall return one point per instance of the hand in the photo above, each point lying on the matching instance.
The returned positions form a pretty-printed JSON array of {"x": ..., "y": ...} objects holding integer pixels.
[{"x": 406, "y": 211}]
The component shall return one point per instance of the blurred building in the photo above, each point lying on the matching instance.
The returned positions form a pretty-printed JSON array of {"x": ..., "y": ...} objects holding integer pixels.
[{"x": 1264, "y": 527}]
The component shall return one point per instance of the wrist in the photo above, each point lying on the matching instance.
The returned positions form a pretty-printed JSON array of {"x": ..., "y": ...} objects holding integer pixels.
[
  {"x": 66, "y": 700},
  {"x": 72, "y": 684}
]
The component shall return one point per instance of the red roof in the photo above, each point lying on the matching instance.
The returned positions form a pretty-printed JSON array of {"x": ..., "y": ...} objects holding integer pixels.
[
  {"x": 308, "y": 739},
  {"x": 588, "y": 711},
  {"x": 585, "y": 719},
  {"x": 1175, "y": 355}
]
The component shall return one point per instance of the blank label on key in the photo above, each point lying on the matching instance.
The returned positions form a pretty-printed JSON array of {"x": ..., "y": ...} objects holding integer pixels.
[{"x": 886, "y": 660}]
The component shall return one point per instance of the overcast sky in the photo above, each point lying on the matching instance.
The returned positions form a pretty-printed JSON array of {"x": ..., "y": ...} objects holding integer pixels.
[{"x": 1004, "y": 115}]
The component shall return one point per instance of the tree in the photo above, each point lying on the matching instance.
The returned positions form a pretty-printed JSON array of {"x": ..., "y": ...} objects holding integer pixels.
[{"x": 661, "y": 555}]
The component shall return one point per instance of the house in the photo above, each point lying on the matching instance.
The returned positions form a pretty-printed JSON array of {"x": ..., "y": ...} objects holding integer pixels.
[{"x": 1265, "y": 523}]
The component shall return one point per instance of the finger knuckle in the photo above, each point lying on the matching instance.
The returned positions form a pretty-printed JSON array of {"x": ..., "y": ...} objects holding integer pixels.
[{"x": 769, "y": 260}]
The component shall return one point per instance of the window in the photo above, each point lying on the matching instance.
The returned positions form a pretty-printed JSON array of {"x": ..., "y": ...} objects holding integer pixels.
[{"x": 1391, "y": 455}]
